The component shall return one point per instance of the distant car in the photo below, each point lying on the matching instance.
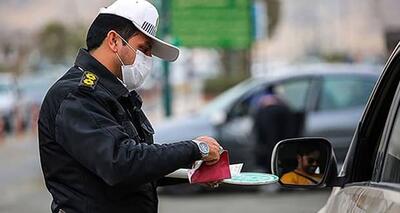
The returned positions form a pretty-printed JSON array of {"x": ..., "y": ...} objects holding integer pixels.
[
  {"x": 33, "y": 88},
  {"x": 11, "y": 101},
  {"x": 369, "y": 180},
  {"x": 332, "y": 98}
]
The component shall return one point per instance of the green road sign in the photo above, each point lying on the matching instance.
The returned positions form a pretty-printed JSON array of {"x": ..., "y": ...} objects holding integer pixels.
[{"x": 212, "y": 23}]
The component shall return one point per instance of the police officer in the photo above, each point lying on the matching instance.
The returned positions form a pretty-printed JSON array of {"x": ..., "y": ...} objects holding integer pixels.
[{"x": 96, "y": 145}]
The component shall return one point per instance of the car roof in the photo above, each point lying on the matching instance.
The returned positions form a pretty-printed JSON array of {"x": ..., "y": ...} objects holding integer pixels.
[{"x": 301, "y": 70}]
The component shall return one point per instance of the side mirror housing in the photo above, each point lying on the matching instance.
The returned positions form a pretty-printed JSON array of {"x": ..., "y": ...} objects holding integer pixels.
[{"x": 304, "y": 163}]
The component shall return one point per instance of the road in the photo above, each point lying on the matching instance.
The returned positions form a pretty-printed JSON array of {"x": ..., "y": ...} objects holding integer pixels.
[{"x": 22, "y": 190}]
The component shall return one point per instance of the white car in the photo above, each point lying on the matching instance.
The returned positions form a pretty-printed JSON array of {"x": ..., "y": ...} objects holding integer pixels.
[{"x": 11, "y": 101}]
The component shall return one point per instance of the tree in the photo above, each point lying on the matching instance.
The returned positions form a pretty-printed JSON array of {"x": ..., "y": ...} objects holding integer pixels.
[
  {"x": 59, "y": 43},
  {"x": 53, "y": 42},
  {"x": 75, "y": 39}
]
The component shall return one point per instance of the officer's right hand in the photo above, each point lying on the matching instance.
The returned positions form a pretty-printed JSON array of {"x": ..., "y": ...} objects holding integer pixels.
[{"x": 214, "y": 154}]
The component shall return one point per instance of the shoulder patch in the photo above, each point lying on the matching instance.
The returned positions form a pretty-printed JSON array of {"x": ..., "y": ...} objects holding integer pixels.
[{"x": 89, "y": 80}]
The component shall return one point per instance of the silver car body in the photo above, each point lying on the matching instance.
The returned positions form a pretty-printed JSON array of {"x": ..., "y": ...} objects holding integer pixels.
[{"x": 235, "y": 132}]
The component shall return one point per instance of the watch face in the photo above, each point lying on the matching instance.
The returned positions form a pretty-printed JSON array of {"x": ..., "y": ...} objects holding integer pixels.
[{"x": 204, "y": 148}]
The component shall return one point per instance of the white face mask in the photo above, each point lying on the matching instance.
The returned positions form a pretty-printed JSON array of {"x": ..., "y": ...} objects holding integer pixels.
[{"x": 133, "y": 75}]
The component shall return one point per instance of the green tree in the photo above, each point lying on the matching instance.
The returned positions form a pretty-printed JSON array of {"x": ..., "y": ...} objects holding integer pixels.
[
  {"x": 59, "y": 43},
  {"x": 75, "y": 39},
  {"x": 53, "y": 42}
]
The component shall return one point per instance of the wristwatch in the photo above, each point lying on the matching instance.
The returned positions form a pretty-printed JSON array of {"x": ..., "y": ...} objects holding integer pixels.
[{"x": 203, "y": 147}]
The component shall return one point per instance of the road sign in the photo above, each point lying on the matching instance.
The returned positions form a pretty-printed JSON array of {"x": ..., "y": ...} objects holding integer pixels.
[{"x": 212, "y": 23}]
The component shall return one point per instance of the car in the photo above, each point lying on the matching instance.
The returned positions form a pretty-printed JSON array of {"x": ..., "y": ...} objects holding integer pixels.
[
  {"x": 331, "y": 97},
  {"x": 12, "y": 103},
  {"x": 33, "y": 88},
  {"x": 369, "y": 180}
]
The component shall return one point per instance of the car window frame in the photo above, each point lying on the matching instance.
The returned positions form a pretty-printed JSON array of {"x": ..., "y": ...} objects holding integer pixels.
[
  {"x": 308, "y": 104},
  {"x": 355, "y": 158},
  {"x": 269, "y": 83},
  {"x": 323, "y": 80},
  {"x": 385, "y": 140},
  {"x": 242, "y": 98}
]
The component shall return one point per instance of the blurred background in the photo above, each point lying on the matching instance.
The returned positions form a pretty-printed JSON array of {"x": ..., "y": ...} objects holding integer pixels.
[{"x": 318, "y": 59}]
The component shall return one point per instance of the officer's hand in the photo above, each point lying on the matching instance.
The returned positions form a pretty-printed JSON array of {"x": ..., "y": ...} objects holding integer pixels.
[{"x": 214, "y": 154}]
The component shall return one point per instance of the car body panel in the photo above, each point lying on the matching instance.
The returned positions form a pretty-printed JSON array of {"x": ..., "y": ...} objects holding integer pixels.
[
  {"x": 236, "y": 137},
  {"x": 363, "y": 199},
  {"x": 326, "y": 124}
]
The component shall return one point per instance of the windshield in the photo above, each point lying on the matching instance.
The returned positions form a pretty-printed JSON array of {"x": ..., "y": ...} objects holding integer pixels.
[{"x": 223, "y": 101}]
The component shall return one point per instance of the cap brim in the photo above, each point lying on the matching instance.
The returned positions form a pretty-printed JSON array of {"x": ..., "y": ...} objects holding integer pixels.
[
  {"x": 161, "y": 48},
  {"x": 164, "y": 50}
]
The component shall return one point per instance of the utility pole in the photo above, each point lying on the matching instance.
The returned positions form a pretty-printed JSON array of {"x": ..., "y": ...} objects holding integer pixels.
[{"x": 165, "y": 30}]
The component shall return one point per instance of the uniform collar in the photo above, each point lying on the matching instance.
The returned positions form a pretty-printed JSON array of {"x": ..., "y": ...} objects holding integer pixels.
[{"x": 88, "y": 63}]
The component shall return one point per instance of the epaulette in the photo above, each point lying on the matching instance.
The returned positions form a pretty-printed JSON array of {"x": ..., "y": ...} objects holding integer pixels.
[{"x": 88, "y": 80}]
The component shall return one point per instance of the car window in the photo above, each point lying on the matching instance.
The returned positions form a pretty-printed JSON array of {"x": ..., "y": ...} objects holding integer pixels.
[
  {"x": 226, "y": 99},
  {"x": 247, "y": 103},
  {"x": 294, "y": 92},
  {"x": 391, "y": 169},
  {"x": 343, "y": 92}
]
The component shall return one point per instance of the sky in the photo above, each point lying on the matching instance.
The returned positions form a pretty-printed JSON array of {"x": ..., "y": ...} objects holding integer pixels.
[
  {"x": 30, "y": 15},
  {"x": 334, "y": 25}
]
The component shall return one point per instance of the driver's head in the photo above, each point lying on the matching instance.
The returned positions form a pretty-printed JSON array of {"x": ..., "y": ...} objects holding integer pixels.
[{"x": 308, "y": 158}]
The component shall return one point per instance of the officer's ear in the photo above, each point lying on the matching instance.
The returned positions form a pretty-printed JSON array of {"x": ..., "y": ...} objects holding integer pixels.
[{"x": 113, "y": 41}]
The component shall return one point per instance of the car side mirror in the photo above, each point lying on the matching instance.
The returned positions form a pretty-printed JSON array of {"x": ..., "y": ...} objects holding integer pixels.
[{"x": 304, "y": 162}]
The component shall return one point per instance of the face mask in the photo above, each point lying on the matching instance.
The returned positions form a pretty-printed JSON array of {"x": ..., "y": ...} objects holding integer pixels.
[{"x": 133, "y": 75}]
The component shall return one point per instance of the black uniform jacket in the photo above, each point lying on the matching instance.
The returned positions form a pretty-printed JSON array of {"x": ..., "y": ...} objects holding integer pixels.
[{"x": 96, "y": 145}]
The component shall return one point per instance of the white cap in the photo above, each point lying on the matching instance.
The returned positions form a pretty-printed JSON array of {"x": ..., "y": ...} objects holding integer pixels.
[{"x": 145, "y": 17}]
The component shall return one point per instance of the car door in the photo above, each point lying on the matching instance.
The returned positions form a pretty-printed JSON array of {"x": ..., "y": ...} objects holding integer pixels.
[
  {"x": 383, "y": 193},
  {"x": 340, "y": 103},
  {"x": 236, "y": 134},
  {"x": 370, "y": 177}
]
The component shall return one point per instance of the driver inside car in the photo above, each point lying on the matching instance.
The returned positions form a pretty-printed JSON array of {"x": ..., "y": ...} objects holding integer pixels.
[{"x": 307, "y": 171}]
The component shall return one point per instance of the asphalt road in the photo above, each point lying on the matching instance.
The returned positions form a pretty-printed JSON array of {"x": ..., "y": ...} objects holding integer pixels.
[{"x": 22, "y": 190}]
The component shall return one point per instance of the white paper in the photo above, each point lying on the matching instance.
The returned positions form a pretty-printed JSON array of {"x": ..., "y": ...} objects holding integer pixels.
[
  {"x": 235, "y": 170},
  {"x": 180, "y": 173},
  {"x": 195, "y": 167}
]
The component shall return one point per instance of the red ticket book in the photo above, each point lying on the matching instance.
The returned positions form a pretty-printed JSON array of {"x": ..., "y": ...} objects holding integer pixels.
[{"x": 210, "y": 173}]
